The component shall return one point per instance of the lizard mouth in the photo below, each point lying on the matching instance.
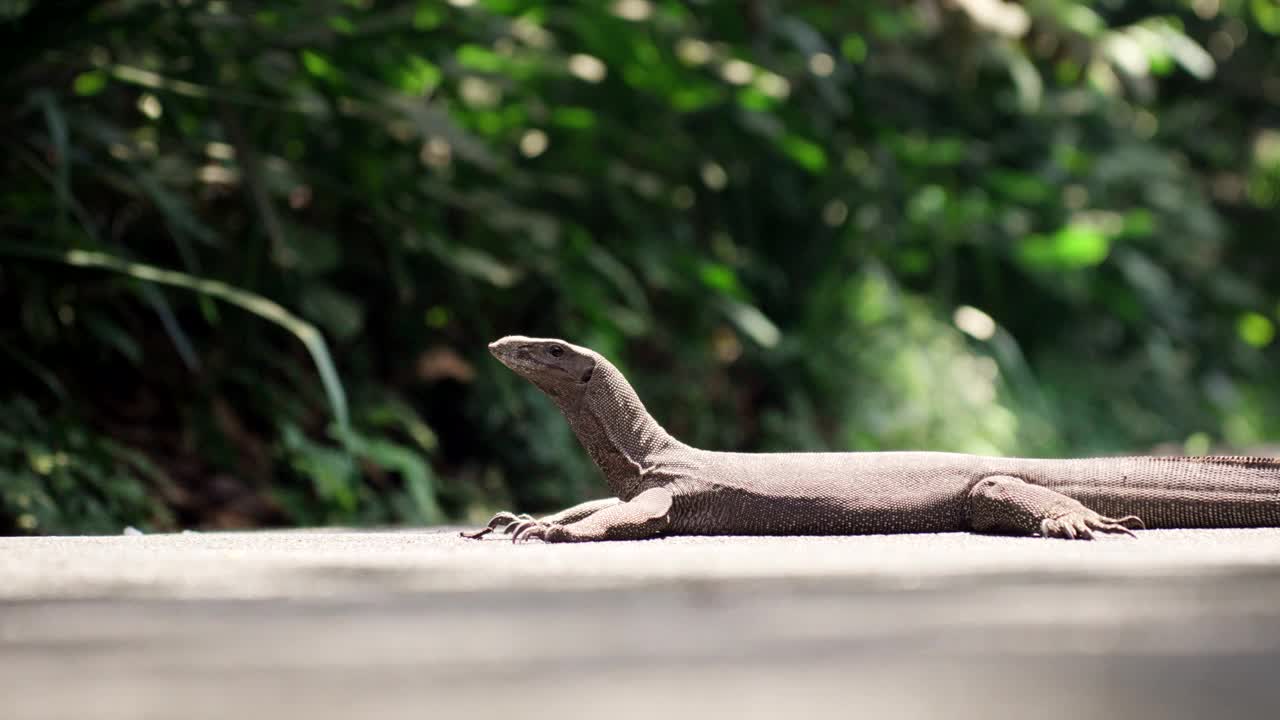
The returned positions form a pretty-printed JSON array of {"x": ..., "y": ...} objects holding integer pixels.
[
  {"x": 552, "y": 360},
  {"x": 524, "y": 361},
  {"x": 516, "y": 358}
]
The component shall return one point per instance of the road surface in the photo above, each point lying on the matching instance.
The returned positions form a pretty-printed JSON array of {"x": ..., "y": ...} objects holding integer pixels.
[{"x": 423, "y": 624}]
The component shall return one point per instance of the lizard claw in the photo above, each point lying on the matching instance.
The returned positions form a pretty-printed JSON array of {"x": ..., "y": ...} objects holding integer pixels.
[
  {"x": 1086, "y": 524},
  {"x": 529, "y": 530},
  {"x": 521, "y": 518},
  {"x": 502, "y": 521},
  {"x": 1132, "y": 520}
]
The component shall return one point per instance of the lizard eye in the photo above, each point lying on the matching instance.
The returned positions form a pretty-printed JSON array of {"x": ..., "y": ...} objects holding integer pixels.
[{"x": 555, "y": 351}]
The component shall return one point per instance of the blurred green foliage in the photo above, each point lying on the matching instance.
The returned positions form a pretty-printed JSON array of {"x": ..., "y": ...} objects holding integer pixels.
[{"x": 1042, "y": 228}]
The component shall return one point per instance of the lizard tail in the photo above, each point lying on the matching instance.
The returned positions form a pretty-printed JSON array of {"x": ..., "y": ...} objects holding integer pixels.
[
  {"x": 1216, "y": 491},
  {"x": 1242, "y": 462},
  {"x": 1182, "y": 492}
]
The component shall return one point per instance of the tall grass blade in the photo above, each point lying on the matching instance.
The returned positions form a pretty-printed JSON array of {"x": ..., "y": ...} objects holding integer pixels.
[{"x": 254, "y": 303}]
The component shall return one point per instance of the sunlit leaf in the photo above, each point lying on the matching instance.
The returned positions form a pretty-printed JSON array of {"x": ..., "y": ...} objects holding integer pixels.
[
  {"x": 754, "y": 324},
  {"x": 751, "y": 98},
  {"x": 417, "y": 76},
  {"x": 1074, "y": 247},
  {"x": 1256, "y": 329},
  {"x": 806, "y": 153},
  {"x": 475, "y": 57},
  {"x": 89, "y": 83},
  {"x": 317, "y": 64},
  {"x": 1267, "y": 13},
  {"x": 720, "y": 277}
]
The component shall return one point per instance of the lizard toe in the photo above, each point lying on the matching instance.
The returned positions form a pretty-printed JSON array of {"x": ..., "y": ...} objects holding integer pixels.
[
  {"x": 1133, "y": 520},
  {"x": 1086, "y": 525},
  {"x": 1113, "y": 526},
  {"x": 499, "y": 521},
  {"x": 529, "y": 530},
  {"x": 517, "y": 520}
]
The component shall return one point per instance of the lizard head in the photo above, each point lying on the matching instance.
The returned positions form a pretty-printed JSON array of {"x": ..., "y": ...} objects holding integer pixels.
[{"x": 558, "y": 368}]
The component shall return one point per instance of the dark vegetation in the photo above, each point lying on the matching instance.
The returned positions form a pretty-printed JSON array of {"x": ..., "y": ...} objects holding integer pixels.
[{"x": 251, "y": 253}]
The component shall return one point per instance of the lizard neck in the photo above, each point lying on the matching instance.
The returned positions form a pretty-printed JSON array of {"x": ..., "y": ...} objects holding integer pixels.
[{"x": 617, "y": 431}]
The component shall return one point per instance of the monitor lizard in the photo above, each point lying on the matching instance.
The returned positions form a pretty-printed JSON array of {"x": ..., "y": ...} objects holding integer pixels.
[{"x": 665, "y": 487}]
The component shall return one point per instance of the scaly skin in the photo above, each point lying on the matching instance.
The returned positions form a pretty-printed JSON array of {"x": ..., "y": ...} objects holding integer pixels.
[{"x": 663, "y": 486}]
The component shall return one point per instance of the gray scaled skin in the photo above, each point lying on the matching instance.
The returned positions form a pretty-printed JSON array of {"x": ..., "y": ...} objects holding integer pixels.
[{"x": 665, "y": 487}]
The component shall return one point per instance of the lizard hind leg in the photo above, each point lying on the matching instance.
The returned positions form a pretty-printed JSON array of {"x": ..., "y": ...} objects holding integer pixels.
[{"x": 1003, "y": 503}]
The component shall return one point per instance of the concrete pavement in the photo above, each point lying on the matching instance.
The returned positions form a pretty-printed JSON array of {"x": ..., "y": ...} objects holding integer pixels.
[{"x": 329, "y": 624}]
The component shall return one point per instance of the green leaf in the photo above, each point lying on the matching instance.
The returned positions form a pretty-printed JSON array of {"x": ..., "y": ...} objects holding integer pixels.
[
  {"x": 1256, "y": 329},
  {"x": 1081, "y": 246},
  {"x": 1023, "y": 188},
  {"x": 1080, "y": 18},
  {"x": 1139, "y": 223},
  {"x": 417, "y": 76},
  {"x": 926, "y": 203},
  {"x": 89, "y": 83},
  {"x": 1073, "y": 247},
  {"x": 428, "y": 15},
  {"x": 332, "y": 472},
  {"x": 418, "y": 478},
  {"x": 437, "y": 316},
  {"x": 720, "y": 277},
  {"x": 806, "y": 153},
  {"x": 1161, "y": 63},
  {"x": 342, "y": 25},
  {"x": 750, "y": 98},
  {"x": 481, "y": 59},
  {"x": 854, "y": 48},
  {"x": 504, "y": 7},
  {"x": 1267, "y": 13},
  {"x": 692, "y": 99},
  {"x": 574, "y": 118},
  {"x": 317, "y": 64}
]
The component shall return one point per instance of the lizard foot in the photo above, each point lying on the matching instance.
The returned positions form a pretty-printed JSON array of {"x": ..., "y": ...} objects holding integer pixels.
[
  {"x": 536, "y": 530},
  {"x": 504, "y": 521},
  {"x": 1084, "y": 524}
]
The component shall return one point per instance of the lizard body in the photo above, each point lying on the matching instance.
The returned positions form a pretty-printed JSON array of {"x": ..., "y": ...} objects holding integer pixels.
[{"x": 664, "y": 486}]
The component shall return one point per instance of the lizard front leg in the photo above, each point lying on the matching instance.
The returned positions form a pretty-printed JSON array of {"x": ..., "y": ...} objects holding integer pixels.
[
  {"x": 507, "y": 522},
  {"x": 644, "y": 516},
  {"x": 1002, "y": 503}
]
